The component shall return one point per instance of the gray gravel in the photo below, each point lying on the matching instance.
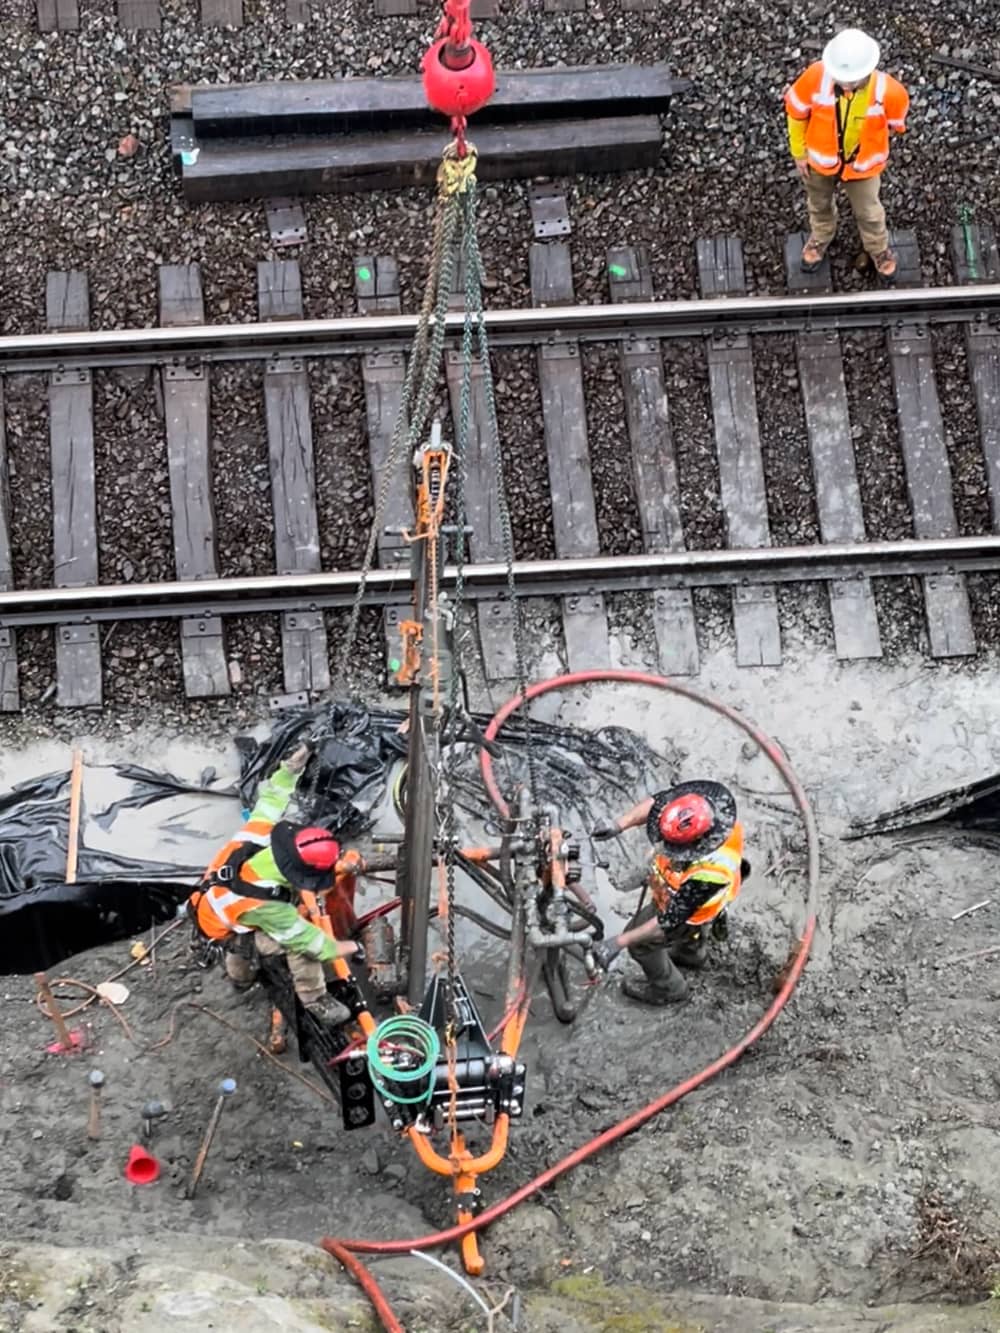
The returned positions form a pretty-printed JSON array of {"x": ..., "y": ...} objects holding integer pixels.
[{"x": 71, "y": 200}]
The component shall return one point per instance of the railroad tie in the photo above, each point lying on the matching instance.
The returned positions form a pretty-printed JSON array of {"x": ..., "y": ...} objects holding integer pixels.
[
  {"x": 741, "y": 465},
  {"x": 189, "y": 462},
  {"x": 654, "y": 463},
  {"x": 74, "y": 497},
  {"x": 293, "y": 481},
  {"x": 925, "y": 459},
  {"x": 496, "y": 616},
  {"x": 838, "y": 495},
  {"x": 376, "y": 287},
  {"x": 574, "y": 516},
  {"x": 974, "y": 254}
]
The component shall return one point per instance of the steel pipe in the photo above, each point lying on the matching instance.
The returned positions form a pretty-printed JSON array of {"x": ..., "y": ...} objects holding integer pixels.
[
  {"x": 670, "y": 569},
  {"x": 355, "y": 334}
]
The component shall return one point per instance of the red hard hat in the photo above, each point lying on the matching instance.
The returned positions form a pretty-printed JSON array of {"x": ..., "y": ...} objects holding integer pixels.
[
  {"x": 318, "y": 848},
  {"x": 686, "y": 819}
]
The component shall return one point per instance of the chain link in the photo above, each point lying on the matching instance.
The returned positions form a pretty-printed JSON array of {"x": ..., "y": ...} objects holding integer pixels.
[
  {"x": 506, "y": 528},
  {"x": 423, "y": 368}
]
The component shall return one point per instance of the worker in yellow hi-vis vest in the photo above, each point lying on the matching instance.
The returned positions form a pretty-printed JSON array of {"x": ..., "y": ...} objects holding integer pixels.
[
  {"x": 249, "y": 887},
  {"x": 842, "y": 111}
]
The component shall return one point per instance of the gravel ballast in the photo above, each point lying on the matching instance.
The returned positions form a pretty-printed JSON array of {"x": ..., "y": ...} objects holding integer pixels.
[{"x": 71, "y": 199}]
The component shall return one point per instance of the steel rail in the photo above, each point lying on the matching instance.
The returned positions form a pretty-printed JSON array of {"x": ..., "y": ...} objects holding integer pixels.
[
  {"x": 358, "y": 334},
  {"x": 627, "y": 573}
]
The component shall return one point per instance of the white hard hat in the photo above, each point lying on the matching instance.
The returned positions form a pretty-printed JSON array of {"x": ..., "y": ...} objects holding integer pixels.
[{"x": 850, "y": 56}]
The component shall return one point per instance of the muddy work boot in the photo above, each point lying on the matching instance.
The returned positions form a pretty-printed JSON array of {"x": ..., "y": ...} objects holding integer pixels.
[
  {"x": 691, "y": 950},
  {"x": 813, "y": 254},
  {"x": 662, "y": 984},
  {"x": 327, "y": 1011},
  {"x": 885, "y": 265},
  {"x": 644, "y": 992}
]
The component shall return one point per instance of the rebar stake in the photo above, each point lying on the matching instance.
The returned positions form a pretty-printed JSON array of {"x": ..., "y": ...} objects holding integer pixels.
[{"x": 66, "y": 1042}]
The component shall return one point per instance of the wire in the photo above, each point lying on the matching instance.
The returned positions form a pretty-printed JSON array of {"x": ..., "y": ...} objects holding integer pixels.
[
  {"x": 94, "y": 994},
  {"x": 455, "y": 1277}
]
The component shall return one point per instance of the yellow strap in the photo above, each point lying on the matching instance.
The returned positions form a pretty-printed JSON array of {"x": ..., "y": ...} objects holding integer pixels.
[{"x": 455, "y": 173}]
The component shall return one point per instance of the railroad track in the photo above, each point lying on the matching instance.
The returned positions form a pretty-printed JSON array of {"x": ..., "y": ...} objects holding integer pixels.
[{"x": 185, "y": 355}]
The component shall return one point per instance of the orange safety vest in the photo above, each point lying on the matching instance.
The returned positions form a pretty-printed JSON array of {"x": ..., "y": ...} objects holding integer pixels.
[
  {"x": 813, "y": 97},
  {"x": 218, "y": 908},
  {"x": 720, "y": 867}
]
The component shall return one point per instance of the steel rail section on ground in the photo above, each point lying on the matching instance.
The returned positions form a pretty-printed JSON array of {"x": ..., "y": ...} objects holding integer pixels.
[
  {"x": 356, "y": 334},
  {"x": 689, "y": 569}
]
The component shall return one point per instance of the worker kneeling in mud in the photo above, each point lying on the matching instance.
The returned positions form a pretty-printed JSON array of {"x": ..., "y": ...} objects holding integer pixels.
[
  {"x": 246, "y": 898},
  {"x": 696, "y": 872}
]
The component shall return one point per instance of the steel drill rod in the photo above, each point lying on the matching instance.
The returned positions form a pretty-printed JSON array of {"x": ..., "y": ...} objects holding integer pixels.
[
  {"x": 355, "y": 333},
  {"x": 716, "y": 568}
]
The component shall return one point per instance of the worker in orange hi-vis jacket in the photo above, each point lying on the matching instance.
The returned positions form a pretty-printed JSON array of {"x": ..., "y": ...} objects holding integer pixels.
[
  {"x": 249, "y": 886},
  {"x": 842, "y": 112},
  {"x": 697, "y": 869}
]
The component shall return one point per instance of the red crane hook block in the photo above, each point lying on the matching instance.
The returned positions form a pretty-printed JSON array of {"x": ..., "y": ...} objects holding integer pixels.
[{"x": 458, "y": 81}]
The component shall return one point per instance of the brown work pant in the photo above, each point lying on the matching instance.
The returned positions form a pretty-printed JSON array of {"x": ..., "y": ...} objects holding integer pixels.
[
  {"x": 307, "y": 973},
  {"x": 861, "y": 195}
]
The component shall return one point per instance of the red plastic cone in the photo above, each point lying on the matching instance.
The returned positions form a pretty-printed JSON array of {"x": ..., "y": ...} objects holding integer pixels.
[{"x": 141, "y": 1168}]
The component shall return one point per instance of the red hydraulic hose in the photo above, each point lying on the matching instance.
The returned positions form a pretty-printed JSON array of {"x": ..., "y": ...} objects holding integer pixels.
[
  {"x": 344, "y": 1250},
  {"x": 368, "y": 1285}
]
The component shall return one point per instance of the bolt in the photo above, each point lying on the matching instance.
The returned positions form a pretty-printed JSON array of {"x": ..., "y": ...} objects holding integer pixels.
[
  {"x": 96, "y": 1080},
  {"x": 150, "y": 1112}
]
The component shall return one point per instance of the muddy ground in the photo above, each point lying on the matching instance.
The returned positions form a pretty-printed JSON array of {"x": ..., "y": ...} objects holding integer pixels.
[{"x": 849, "y": 1160}]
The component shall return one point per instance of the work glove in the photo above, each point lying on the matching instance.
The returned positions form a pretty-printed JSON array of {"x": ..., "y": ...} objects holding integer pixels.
[
  {"x": 299, "y": 757},
  {"x": 604, "y": 953},
  {"x": 358, "y": 958},
  {"x": 604, "y": 832}
]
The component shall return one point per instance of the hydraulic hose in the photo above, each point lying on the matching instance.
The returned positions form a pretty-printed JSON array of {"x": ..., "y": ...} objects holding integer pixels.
[{"x": 346, "y": 1250}]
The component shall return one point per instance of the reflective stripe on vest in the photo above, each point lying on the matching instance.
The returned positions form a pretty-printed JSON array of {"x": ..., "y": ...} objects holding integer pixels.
[
  {"x": 721, "y": 867},
  {"x": 813, "y": 97},
  {"x": 218, "y": 899},
  {"x": 797, "y": 102}
]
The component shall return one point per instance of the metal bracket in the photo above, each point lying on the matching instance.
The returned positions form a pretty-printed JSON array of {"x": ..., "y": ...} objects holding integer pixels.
[
  {"x": 77, "y": 633},
  {"x": 549, "y": 215},
  {"x": 384, "y": 361},
  {"x": 201, "y": 628},
  {"x": 286, "y": 222},
  {"x": 756, "y": 594},
  {"x": 191, "y": 372},
  {"x": 279, "y": 702},
  {"x": 584, "y": 604},
  {"x": 561, "y": 351},
  {"x": 284, "y": 365},
  {"x": 309, "y": 621},
  {"x": 855, "y": 588},
  {"x": 69, "y": 377}
]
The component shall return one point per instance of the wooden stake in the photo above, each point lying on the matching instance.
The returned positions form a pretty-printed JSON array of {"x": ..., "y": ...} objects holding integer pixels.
[
  {"x": 53, "y": 1011},
  {"x": 75, "y": 795}
]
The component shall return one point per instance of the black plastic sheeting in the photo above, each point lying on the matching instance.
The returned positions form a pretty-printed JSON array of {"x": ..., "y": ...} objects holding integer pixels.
[
  {"x": 44, "y": 920},
  {"x": 974, "y": 806},
  {"x": 46, "y": 923}
]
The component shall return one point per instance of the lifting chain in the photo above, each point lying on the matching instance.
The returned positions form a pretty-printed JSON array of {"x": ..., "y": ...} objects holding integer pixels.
[{"x": 420, "y": 382}]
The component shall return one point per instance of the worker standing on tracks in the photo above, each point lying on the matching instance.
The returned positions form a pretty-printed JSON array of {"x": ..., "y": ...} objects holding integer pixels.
[
  {"x": 246, "y": 897},
  {"x": 697, "y": 870},
  {"x": 842, "y": 111}
]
